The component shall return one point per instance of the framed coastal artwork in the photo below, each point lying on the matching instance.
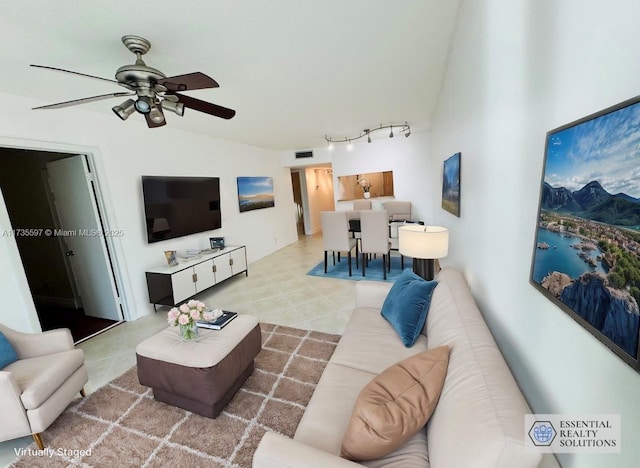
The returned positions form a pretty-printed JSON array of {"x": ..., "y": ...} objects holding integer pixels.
[
  {"x": 586, "y": 256},
  {"x": 255, "y": 193},
  {"x": 451, "y": 185}
]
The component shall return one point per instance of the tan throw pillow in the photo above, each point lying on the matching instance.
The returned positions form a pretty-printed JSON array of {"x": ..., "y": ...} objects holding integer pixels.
[{"x": 395, "y": 405}]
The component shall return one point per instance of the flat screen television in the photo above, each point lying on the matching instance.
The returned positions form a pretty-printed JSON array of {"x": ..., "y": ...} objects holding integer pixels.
[{"x": 179, "y": 206}]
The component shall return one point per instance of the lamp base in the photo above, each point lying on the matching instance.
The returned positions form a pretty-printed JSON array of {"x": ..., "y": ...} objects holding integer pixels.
[{"x": 425, "y": 268}]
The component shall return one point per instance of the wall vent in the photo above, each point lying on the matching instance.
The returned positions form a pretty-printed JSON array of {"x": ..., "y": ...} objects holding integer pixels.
[{"x": 304, "y": 154}]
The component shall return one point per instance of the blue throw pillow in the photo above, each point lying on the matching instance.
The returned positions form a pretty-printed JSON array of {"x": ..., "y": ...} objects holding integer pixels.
[
  {"x": 7, "y": 353},
  {"x": 407, "y": 304}
]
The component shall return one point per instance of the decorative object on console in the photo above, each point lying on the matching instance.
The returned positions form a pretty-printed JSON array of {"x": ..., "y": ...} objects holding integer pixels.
[
  {"x": 395, "y": 405},
  {"x": 407, "y": 304},
  {"x": 424, "y": 244},
  {"x": 170, "y": 255},
  {"x": 255, "y": 193},
  {"x": 584, "y": 255},
  {"x": 404, "y": 129},
  {"x": 216, "y": 242},
  {"x": 451, "y": 185},
  {"x": 186, "y": 316}
]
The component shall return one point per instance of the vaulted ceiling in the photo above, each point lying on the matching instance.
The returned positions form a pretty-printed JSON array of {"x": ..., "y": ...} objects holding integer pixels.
[{"x": 294, "y": 70}]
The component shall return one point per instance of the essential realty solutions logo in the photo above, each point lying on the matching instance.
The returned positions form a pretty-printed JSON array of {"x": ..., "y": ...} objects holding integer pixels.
[{"x": 561, "y": 433}]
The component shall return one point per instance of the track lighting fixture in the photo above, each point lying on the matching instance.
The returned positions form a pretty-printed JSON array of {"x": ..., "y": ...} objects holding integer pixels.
[{"x": 403, "y": 129}]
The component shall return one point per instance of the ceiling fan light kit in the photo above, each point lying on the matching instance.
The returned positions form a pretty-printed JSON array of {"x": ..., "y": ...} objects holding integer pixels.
[
  {"x": 399, "y": 128},
  {"x": 153, "y": 91}
]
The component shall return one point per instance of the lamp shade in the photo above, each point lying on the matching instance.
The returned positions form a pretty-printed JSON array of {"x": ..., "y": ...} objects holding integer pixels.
[{"x": 419, "y": 241}]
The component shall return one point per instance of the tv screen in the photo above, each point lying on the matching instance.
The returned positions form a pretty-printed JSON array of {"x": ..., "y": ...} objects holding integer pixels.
[{"x": 179, "y": 206}]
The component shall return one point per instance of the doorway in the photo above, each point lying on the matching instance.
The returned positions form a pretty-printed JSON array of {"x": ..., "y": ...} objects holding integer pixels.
[{"x": 57, "y": 226}]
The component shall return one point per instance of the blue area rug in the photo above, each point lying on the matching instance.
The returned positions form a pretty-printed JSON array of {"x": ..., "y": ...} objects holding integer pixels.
[{"x": 373, "y": 271}]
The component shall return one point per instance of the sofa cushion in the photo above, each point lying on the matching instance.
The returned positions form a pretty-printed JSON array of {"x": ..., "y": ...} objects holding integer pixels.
[
  {"x": 395, "y": 405},
  {"x": 7, "y": 353},
  {"x": 369, "y": 343},
  {"x": 407, "y": 304}
]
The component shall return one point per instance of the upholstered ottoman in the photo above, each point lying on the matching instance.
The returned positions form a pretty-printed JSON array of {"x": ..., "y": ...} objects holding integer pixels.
[{"x": 200, "y": 376}]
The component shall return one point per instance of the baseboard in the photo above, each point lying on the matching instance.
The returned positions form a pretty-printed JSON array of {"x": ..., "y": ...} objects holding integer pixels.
[{"x": 56, "y": 301}]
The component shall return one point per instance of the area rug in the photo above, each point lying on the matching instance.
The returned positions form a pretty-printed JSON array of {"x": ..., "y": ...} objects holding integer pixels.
[
  {"x": 122, "y": 425},
  {"x": 373, "y": 272}
]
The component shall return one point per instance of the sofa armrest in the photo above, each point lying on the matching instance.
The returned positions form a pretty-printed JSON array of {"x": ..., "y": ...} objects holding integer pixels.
[
  {"x": 14, "y": 422},
  {"x": 277, "y": 451},
  {"x": 371, "y": 294},
  {"x": 29, "y": 345}
]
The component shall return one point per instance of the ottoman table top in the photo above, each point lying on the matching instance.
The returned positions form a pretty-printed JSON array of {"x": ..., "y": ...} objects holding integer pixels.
[{"x": 207, "y": 351}]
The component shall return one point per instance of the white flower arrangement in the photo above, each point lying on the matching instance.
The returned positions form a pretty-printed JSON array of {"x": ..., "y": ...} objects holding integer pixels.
[{"x": 364, "y": 184}]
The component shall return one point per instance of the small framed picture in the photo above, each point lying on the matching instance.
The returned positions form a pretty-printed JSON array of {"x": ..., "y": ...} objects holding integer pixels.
[
  {"x": 170, "y": 255},
  {"x": 216, "y": 242}
]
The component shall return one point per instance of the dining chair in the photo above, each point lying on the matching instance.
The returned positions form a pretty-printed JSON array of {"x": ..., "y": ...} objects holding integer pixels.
[
  {"x": 359, "y": 205},
  {"x": 374, "y": 233},
  {"x": 398, "y": 210},
  {"x": 336, "y": 236}
]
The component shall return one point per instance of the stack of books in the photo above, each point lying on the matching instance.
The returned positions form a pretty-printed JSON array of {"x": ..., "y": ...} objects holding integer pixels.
[{"x": 218, "y": 323}]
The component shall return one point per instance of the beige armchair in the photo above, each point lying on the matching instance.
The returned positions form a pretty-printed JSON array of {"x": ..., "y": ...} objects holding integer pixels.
[{"x": 36, "y": 389}]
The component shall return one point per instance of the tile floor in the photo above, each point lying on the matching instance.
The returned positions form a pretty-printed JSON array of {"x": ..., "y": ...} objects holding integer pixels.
[{"x": 276, "y": 290}]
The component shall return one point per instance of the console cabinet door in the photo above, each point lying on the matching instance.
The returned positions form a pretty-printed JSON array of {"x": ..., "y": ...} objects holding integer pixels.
[
  {"x": 183, "y": 285},
  {"x": 205, "y": 277},
  {"x": 223, "y": 267},
  {"x": 238, "y": 260}
]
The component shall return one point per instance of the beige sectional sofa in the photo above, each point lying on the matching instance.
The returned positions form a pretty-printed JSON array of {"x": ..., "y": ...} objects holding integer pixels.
[{"x": 478, "y": 421}]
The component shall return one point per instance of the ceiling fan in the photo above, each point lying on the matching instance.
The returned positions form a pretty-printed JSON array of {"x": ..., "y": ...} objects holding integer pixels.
[{"x": 153, "y": 91}]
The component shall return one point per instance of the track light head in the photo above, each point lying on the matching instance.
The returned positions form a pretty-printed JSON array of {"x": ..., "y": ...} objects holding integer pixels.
[
  {"x": 391, "y": 134},
  {"x": 125, "y": 109}
]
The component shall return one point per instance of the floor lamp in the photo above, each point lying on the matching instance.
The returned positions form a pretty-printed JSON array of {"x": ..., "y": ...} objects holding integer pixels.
[{"x": 424, "y": 244}]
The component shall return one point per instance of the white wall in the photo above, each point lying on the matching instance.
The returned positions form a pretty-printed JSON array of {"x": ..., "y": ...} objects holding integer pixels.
[
  {"x": 519, "y": 68},
  {"x": 408, "y": 158},
  {"x": 123, "y": 152}
]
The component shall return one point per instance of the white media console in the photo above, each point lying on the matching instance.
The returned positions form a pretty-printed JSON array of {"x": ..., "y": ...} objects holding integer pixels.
[{"x": 170, "y": 285}]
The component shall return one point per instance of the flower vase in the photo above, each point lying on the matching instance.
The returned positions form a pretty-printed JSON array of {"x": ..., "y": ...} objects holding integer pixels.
[
  {"x": 367, "y": 195},
  {"x": 189, "y": 332}
]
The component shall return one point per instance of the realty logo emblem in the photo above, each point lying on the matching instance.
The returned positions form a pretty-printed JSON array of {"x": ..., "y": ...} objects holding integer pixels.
[{"x": 542, "y": 433}]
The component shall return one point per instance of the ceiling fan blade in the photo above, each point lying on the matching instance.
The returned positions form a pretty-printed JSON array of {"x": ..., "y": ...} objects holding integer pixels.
[
  {"x": 151, "y": 123},
  {"x": 75, "y": 73},
  {"x": 190, "y": 81},
  {"x": 100, "y": 97},
  {"x": 206, "y": 107}
]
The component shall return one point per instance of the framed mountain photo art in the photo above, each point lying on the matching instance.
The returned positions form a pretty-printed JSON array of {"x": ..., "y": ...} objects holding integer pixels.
[
  {"x": 451, "y": 185},
  {"x": 586, "y": 255}
]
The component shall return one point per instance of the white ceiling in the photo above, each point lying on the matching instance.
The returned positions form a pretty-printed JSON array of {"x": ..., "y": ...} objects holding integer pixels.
[{"x": 294, "y": 70}]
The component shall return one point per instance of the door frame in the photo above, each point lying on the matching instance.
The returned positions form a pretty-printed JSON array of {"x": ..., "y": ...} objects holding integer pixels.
[{"x": 103, "y": 202}]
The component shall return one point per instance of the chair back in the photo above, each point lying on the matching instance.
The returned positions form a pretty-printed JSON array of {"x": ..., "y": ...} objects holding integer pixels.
[
  {"x": 361, "y": 205},
  {"x": 398, "y": 210},
  {"x": 374, "y": 227},
  {"x": 335, "y": 231}
]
